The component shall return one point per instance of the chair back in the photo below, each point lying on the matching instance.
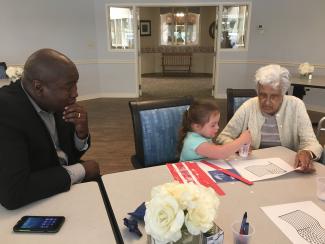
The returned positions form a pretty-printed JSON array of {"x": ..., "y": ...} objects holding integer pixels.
[
  {"x": 320, "y": 128},
  {"x": 3, "y": 68},
  {"x": 156, "y": 125},
  {"x": 236, "y": 97}
]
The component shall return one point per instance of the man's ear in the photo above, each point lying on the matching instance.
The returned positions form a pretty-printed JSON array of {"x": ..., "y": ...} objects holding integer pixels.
[{"x": 37, "y": 86}]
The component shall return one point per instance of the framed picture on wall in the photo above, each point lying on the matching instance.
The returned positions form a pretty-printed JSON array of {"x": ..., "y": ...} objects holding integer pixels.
[{"x": 145, "y": 28}]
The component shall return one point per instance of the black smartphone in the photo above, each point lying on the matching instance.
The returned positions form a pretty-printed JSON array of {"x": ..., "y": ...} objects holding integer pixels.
[{"x": 39, "y": 224}]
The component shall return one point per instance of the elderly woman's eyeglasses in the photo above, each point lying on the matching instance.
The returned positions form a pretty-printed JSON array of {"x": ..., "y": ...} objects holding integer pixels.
[{"x": 269, "y": 97}]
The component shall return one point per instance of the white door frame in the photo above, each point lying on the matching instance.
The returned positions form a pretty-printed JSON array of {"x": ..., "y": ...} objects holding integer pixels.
[
  {"x": 138, "y": 49},
  {"x": 216, "y": 45}
]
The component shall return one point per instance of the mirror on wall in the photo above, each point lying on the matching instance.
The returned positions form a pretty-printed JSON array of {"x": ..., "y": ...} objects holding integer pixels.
[
  {"x": 120, "y": 27},
  {"x": 234, "y": 26},
  {"x": 179, "y": 26}
]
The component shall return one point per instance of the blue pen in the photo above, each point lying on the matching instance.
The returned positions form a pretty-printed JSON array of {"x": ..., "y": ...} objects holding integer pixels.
[
  {"x": 242, "y": 227},
  {"x": 246, "y": 229}
]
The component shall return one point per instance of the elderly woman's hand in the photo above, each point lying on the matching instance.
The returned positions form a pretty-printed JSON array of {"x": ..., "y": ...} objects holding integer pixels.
[{"x": 304, "y": 162}]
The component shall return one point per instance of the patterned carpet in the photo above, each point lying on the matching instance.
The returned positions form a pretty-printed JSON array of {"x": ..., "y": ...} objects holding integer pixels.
[{"x": 162, "y": 87}]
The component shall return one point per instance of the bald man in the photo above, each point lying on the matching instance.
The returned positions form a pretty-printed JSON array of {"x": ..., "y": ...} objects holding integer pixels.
[{"x": 43, "y": 132}]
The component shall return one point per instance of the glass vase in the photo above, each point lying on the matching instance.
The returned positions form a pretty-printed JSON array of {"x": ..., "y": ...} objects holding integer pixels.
[
  {"x": 215, "y": 235},
  {"x": 187, "y": 238},
  {"x": 306, "y": 76}
]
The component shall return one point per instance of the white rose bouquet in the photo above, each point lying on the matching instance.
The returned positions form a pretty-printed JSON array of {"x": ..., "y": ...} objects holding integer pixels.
[
  {"x": 14, "y": 73},
  {"x": 305, "y": 69},
  {"x": 173, "y": 204}
]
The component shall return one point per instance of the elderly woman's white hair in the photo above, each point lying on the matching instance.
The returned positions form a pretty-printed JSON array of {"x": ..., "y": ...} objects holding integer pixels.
[{"x": 273, "y": 75}]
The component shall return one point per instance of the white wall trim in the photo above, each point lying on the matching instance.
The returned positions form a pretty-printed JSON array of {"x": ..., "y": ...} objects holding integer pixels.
[
  {"x": 263, "y": 62},
  {"x": 107, "y": 95},
  {"x": 88, "y": 97},
  {"x": 172, "y": 4},
  {"x": 234, "y": 61},
  {"x": 316, "y": 108},
  {"x": 104, "y": 61},
  {"x": 221, "y": 96},
  {"x": 93, "y": 61}
]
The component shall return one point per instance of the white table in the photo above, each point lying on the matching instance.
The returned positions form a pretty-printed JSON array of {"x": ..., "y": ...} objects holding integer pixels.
[
  {"x": 127, "y": 190},
  {"x": 86, "y": 218},
  {"x": 299, "y": 84},
  {"x": 4, "y": 82}
]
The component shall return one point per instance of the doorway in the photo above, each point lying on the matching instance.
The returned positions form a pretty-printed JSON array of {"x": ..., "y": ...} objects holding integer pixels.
[{"x": 176, "y": 31}]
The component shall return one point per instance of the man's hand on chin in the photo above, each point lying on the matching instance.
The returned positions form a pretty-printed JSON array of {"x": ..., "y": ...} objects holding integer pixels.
[{"x": 77, "y": 115}]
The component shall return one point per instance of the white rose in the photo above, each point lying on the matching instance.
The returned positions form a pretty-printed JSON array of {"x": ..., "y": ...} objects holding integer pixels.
[
  {"x": 305, "y": 68},
  {"x": 200, "y": 217},
  {"x": 191, "y": 194},
  {"x": 19, "y": 71},
  {"x": 11, "y": 71},
  {"x": 158, "y": 190},
  {"x": 185, "y": 193},
  {"x": 14, "y": 73},
  {"x": 164, "y": 189},
  {"x": 164, "y": 219}
]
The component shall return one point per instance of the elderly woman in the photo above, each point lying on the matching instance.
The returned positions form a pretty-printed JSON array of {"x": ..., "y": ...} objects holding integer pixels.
[{"x": 275, "y": 119}]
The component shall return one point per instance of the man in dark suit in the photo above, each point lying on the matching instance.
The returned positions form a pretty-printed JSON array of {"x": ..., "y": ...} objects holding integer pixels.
[{"x": 43, "y": 132}]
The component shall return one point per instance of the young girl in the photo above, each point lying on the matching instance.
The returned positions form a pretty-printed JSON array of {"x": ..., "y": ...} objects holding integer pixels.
[{"x": 200, "y": 125}]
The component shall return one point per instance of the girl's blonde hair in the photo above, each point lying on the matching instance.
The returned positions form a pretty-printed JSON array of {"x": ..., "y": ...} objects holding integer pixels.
[{"x": 199, "y": 112}]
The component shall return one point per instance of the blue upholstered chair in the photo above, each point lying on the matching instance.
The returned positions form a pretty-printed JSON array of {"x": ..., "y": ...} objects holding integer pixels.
[
  {"x": 156, "y": 125},
  {"x": 3, "y": 68},
  {"x": 235, "y": 98}
]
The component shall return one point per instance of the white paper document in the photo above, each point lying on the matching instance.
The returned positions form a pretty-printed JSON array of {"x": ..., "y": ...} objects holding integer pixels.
[
  {"x": 301, "y": 222},
  {"x": 261, "y": 169}
]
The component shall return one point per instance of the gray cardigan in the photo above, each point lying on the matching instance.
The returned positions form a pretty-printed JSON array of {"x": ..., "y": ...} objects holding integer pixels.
[{"x": 295, "y": 129}]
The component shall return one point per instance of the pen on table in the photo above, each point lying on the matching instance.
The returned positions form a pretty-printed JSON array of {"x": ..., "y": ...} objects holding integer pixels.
[
  {"x": 246, "y": 229},
  {"x": 242, "y": 227}
]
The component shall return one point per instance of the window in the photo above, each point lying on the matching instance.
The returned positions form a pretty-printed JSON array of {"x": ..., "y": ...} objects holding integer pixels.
[
  {"x": 120, "y": 25},
  {"x": 179, "y": 26},
  {"x": 234, "y": 26}
]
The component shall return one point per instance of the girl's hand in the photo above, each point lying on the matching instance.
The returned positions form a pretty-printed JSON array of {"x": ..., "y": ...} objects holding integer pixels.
[{"x": 245, "y": 137}]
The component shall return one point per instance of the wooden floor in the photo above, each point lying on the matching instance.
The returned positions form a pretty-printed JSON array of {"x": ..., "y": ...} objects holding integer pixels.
[{"x": 112, "y": 133}]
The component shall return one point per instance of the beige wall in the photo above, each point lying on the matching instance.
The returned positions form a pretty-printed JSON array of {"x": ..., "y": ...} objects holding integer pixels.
[
  {"x": 151, "y": 14},
  {"x": 151, "y": 61},
  {"x": 208, "y": 15}
]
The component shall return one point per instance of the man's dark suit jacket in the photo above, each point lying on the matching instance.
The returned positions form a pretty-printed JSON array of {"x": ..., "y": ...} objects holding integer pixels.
[{"x": 29, "y": 166}]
